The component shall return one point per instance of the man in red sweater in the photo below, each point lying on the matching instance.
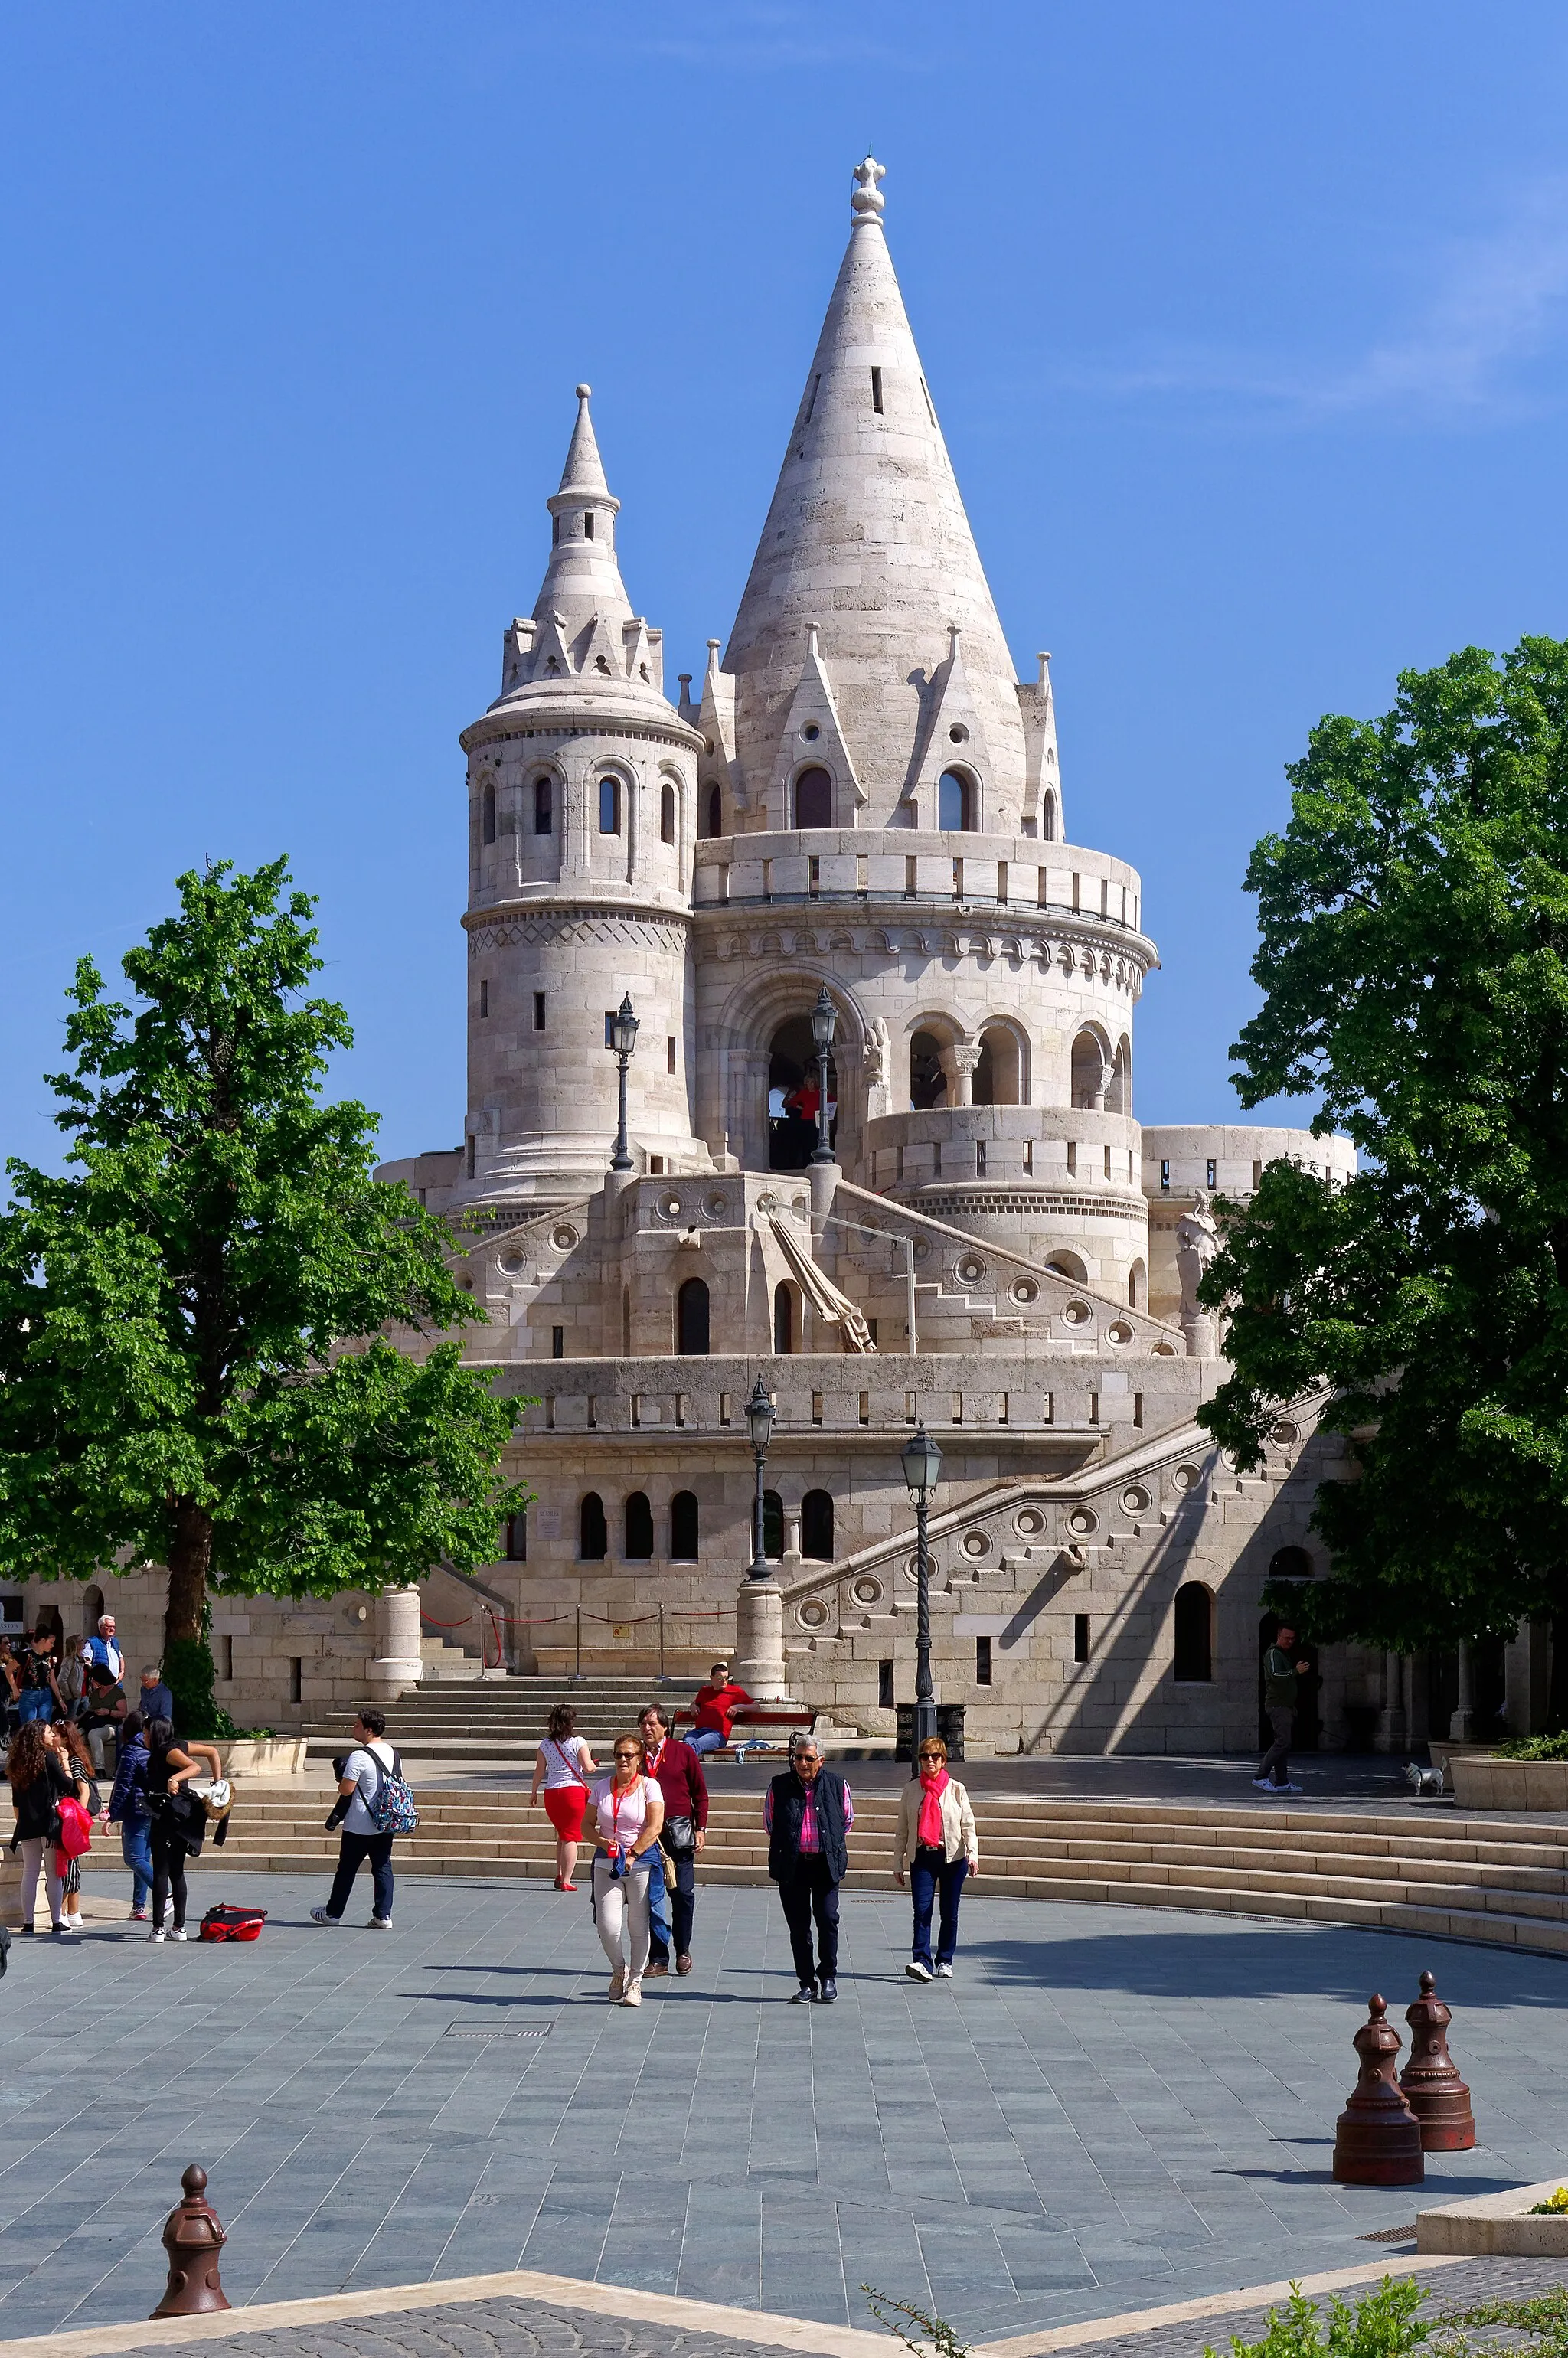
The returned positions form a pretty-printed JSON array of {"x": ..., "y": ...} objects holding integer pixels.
[
  {"x": 684, "y": 1788},
  {"x": 713, "y": 1706}
]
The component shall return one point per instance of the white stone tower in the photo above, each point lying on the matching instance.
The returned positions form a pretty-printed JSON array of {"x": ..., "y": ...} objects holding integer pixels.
[
  {"x": 881, "y": 811},
  {"x": 582, "y": 783}
]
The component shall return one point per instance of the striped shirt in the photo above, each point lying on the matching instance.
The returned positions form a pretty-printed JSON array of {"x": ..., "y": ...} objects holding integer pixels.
[{"x": 809, "y": 1841}]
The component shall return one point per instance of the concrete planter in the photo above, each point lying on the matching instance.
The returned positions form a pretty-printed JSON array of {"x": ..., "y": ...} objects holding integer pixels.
[
  {"x": 1482, "y": 1781},
  {"x": 278, "y": 1756},
  {"x": 1499, "y": 2224}
]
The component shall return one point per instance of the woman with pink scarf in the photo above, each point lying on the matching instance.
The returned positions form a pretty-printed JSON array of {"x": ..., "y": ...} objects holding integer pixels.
[{"x": 938, "y": 1845}]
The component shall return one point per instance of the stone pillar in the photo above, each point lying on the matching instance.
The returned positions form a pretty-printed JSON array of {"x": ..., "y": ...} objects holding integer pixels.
[
  {"x": 397, "y": 1666},
  {"x": 759, "y": 1665},
  {"x": 1391, "y": 1720},
  {"x": 792, "y": 1536},
  {"x": 960, "y": 1065},
  {"x": 1197, "y": 1326},
  {"x": 1462, "y": 1722}
]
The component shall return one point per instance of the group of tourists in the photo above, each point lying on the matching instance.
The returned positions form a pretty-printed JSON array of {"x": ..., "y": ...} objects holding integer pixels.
[{"x": 649, "y": 1825}]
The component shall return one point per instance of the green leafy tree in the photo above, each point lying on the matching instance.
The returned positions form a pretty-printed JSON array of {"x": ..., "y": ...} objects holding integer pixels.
[
  {"x": 1414, "y": 969},
  {"x": 193, "y": 1365}
]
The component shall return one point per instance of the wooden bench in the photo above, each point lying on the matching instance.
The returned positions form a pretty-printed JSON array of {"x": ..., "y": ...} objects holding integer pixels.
[{"x": 755, "y": 1715}]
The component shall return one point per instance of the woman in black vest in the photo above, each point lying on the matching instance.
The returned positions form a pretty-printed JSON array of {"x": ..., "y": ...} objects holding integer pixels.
[{"x": 809, "y": 1813}]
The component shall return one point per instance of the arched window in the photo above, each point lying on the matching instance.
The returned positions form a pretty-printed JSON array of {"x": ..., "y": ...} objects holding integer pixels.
[
  {"x": 691, "y": 1319},
  {"x": 639, "y": 1529},
  {"x": 1137, "y": 1286},
  {"x": 773, "y": 1525},
  {"x": 609, "y": 805},
  {"x": 715, "y": 811},
  {"x": 1119, "y": 1090},
  {"x": 487, "y": 813},
  {"x": 927, "y": 1081},
  {"x": 1048, "y": 816},
  {"x": 955, "y": 804},
  {"x": 814, "y": 799},
  {"x": 544, "y": 806},
  {"x": 91, "y": 1611},
  {"x": 666, "y": 813},
  {"x": 515, "y": 1538},
  {"x": 784, "y": 1318},
  {"x": 998, "y": 1076},
  {"x": 1088, "y": 1073},
  {"x": 816, "y": 1525},
  {"x": 1194, "y": 1634},
  {"x": 593, "y": 1536},
  {"x": 1067, "y": 1264},
  {"x": 684, "y": 1527},
  {"x": 1290, "y": 1564}
]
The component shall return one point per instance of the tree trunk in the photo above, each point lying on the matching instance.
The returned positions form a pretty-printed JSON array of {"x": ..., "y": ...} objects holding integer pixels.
[{"x": 189, "y": 1559}]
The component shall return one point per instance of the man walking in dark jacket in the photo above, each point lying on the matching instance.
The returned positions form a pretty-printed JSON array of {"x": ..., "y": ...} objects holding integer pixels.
[
  {"x": 809, "y": 1813},
  {"x": 1280, "y": 1676},
  {"x": 677, "y": 1770}
]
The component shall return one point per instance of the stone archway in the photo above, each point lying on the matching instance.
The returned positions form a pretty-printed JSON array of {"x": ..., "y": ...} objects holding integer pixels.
[{"x": 738, "y": 1071}]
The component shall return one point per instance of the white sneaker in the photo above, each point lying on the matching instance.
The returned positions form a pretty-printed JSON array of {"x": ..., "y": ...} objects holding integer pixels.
[
  {"x": 1262, "y": 1785},
  {"x": 632, "y": 1993},
  {"x": 178, "y": 1932},
  {"x": 916, "y": 1970},
  {"x": 160, "y": 1935},
  {"x": 319, "y": 1916},
  {"x": 381, "y": 1924},
  {"x": 943, "y": 1972}
]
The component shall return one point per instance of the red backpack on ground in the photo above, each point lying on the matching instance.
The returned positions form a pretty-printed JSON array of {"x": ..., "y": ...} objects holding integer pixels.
[{"x": 226, "y": 1923}]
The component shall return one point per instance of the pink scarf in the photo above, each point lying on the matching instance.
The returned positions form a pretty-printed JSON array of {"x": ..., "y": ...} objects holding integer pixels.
[{"x": 931, "y": 1791}]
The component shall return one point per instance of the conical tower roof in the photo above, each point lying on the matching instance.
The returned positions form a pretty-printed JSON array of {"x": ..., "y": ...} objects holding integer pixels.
[{"x": 867, "y": 540}]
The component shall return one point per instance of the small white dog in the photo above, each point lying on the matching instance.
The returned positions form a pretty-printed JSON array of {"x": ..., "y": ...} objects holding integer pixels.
[{"x": 1422, "y": 1780}]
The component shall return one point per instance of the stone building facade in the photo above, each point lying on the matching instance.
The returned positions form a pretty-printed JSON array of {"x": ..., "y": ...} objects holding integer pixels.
[{"x": 858, "y": 805}]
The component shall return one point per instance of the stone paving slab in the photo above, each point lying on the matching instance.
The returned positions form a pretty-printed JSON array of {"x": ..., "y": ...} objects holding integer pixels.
[{"x": 1109, "y": 2108}]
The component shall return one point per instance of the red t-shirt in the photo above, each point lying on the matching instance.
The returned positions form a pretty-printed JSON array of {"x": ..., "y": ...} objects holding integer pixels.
[{"x": 715, "y": 1707}]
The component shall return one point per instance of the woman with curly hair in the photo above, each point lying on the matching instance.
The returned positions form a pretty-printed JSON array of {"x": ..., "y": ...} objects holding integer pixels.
[{"x": 39, "y": 1783}]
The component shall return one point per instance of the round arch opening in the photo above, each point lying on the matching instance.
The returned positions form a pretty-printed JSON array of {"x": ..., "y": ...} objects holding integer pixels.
[{"x": 793, "y": 1097}]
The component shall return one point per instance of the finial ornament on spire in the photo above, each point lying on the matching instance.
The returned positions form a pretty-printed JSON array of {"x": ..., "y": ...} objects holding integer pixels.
[{"x": 867, "y": 202}]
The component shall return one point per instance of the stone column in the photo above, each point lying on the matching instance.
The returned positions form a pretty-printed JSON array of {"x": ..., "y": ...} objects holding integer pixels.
[
  {"x": 1462, "y": 1722},
  {"x": 792, "y": 1536},
  {"x": 1391, "y": 1722},
  {"x": 960, "y": 1065},
  {"x": 759, "y": 1665},
  {"x": 397, "y": 1666}
]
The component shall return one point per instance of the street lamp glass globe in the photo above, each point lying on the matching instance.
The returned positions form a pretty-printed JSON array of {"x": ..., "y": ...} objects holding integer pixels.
[
  {"x": 823, "y": 1020},
  {"x": 623, "y": 1028},
  {"x": 922, "y": 1464},
  {"x": 760, "y": 1416}
]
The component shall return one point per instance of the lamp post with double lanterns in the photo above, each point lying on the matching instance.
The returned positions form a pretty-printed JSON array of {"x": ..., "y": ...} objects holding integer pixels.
[
  {"x": 622, "y": 1039},
  {"x": 824, "y": 1023},
  {"x": 921, "y": 1471},
  {"x": 760, "y": 1424}
]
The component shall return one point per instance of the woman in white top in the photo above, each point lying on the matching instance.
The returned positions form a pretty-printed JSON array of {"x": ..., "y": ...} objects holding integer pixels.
[
  {"x": 629, "y": 1809},
  {"x": 938, "y": 1847},
  {"x": 560, "y": 1763}
]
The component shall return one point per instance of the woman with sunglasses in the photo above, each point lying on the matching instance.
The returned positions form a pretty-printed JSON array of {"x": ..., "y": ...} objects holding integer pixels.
[
  {"x": 937, "y": 1843},
  {"x": 629, "y": 1812}
]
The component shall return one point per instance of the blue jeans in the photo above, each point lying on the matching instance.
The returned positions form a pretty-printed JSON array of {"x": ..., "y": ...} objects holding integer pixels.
[
  {"x": 35, "y": 1703},
  {"x": 930, "y": 1872},
  {"x": 136, "y": 1850},
  {"x": 706, "y": 1739},
  {"x": 658, "y": 1905}
]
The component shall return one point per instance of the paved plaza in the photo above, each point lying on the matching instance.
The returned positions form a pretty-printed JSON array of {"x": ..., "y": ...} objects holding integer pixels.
[{"x": 1108, "y": 2109}]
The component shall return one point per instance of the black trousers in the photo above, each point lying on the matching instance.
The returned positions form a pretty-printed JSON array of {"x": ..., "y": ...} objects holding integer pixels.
[
  {"x": 352, "y": 1852},
  {"x": 1276, "y": 1762},
  {"x": 168, "y": 1872},
  {"x": 806, "y": 1891},
  {"x": 680, "y": 1882}
]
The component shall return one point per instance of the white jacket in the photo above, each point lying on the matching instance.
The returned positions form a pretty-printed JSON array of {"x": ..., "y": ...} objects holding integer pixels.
[{"x": 958, "y": 1825}]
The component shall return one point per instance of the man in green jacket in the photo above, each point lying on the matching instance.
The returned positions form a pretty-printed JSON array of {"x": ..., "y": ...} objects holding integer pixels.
[{"x": 1279, "y": 1686}]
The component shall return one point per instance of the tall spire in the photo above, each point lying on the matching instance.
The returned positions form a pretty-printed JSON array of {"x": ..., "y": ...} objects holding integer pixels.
[
  {"x": 583, "y": 578},
  {"x": 866, "y": 537}
]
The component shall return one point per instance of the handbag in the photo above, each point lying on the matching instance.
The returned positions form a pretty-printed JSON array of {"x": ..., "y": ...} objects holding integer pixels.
[{"x": 680, "y": 1837}]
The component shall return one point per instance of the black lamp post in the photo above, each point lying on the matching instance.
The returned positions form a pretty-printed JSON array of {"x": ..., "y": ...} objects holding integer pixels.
[
  {"x": 622, "y": 1039},
  {"x": 759, "y": 1424},
  {"x": 921, "y": 1470},
  {"x": 824, "y": 1023}
]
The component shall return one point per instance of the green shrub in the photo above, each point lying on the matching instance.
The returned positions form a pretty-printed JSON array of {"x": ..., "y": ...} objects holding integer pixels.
[
  {"x": 1533, "y": 1748},
  {"x": 1381, "y": 2324}
]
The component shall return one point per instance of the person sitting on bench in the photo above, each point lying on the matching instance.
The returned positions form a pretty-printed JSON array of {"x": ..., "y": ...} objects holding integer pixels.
[{"x": 713, "y": 1707}]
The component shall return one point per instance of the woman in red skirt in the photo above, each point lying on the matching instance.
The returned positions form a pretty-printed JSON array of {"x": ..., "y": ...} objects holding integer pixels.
[{"x": 563, "y": 1765}]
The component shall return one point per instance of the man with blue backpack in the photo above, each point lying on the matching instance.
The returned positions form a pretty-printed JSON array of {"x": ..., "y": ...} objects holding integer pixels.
[{"x": 373, "y": 1806}]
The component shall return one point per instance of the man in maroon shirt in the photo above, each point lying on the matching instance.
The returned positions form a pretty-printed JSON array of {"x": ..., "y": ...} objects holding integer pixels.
[{"x": 684, "y": 1788}]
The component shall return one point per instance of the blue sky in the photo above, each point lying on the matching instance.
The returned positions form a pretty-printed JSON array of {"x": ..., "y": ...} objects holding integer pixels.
[{"x": 1248, "y": 326}]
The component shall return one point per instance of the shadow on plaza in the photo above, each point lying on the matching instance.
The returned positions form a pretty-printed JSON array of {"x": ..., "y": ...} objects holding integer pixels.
[{"x": 1343, "y": 1961}]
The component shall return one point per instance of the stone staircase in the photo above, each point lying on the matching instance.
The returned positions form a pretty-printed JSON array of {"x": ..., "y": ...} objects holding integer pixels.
[
  {"x": 1439, "y": 1875},
  {"x": 498, "y": 1720}
]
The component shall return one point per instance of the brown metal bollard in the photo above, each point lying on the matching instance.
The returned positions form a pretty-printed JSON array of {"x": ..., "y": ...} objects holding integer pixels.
[
  {"x": 1431, "y": 2084},
  {"x": 1377, "y": 2139},
  {"x": 193, "y": 2239}
]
